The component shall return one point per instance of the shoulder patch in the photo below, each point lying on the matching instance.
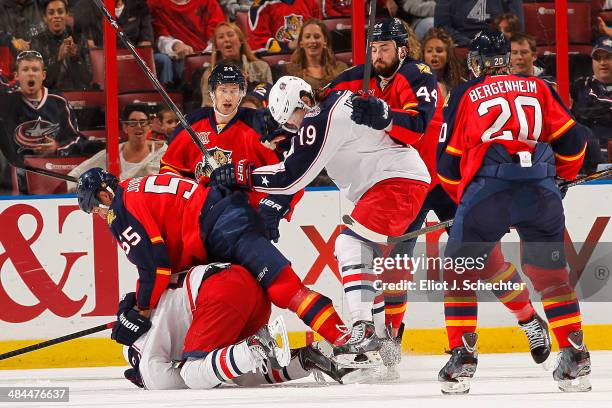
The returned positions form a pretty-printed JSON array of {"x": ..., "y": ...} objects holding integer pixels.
[
  {"x": 423, "y": 68},
  {"x": 110, "y": 217},
  {"x": 313, "y": 112}
]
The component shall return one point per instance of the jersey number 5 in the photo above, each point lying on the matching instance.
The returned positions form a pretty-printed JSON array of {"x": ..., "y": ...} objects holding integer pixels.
[
  {"x": 520, "y": 102},
  {"x": 172, "y": 187}
]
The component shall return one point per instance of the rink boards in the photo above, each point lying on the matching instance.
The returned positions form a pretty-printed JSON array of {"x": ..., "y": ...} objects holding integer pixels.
[{"x": 61, "y": 272}]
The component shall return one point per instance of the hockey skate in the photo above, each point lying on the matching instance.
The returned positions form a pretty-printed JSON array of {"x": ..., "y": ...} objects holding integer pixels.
[
  {"x": 362, "y": 348},
  {"x": 313, "y": 359},
  {"x": 391, "y": 355},
  {"x": 264, "y": 347},
  {"x": 573, "y": 365},
  {"x": 538, "y": 337},
  {"x": 455, "y": 376}
]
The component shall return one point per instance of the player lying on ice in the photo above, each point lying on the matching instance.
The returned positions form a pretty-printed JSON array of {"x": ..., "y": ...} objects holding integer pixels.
[
  {"x": 501, "y": 169},
  {"x": 166, "y": 224},
  {"x": 386, "y": 181}
]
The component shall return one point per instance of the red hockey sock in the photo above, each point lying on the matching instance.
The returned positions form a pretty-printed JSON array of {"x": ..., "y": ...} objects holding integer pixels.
[
  {"x": 498, "y": 270},
  {"x": 288, "y": 292},
  {"x": 559, "y": 300}
]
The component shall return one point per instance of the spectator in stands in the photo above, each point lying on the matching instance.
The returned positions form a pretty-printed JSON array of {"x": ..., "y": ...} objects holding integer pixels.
[
  {"x": 592, "y": 101},
  {"x": 22, "y": 20},
  {"x": 138, "y": 156},
  {"x": 41, "y": 122},
  {"x": 420, "y": 14},
  {"x": 507, "y": 23},
  {"x": 66, "y": 55},
  {"x": 440, "y": 54},
  {"x": 183, "y": 27},
  {"x": 342, "y": 8},
  {"x": 164, "y": 124},
  {"x": 523, "y": 56},
  {"x": 313, "y": 60},
  {"x": 251, "y": 102},
  {"x": 604, "y": 29},
  {"x": 230, "y": 45},
  {"x": 463, "y": 19},
  {"x": 274, "y": 26}
]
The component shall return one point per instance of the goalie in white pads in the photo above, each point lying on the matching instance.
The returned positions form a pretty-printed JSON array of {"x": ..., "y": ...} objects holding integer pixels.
[{"x": 386, "y": 181}]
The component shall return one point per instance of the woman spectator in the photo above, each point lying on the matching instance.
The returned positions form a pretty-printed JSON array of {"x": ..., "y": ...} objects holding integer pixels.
[
  {"x": 229, "y": 44},
  {"x": 507, "y": 23},
  {"x": 313, "y": 60},
  {"x": 138, "y": 156},
  {"x": 439, "y": 54}
]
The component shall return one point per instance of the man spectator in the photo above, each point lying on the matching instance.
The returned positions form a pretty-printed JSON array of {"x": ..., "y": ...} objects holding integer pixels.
[
  {"x": 592, "y": 101},
  {"x": 507, "y": 23},
  {"x": 523, "y": 55},
  {"x": 463, "y": 19},
  {"x": 22, "y": 20},
  {"x": 274, "y": 26},
  {"x": 66, "y": 56},
  {"x": 420, "y": 14}
]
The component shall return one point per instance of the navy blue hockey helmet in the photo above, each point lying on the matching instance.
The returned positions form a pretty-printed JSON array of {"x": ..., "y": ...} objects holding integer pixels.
[
  {"x": 488, "y": 49},
  {"x": 226, "y": 73},
  {"x": 390, "y": 29},
  {"x": 90, "y": 183}
]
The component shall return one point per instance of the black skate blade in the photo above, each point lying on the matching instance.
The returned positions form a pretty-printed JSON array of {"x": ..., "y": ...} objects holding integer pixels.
[{"x": 369, "y": 359}]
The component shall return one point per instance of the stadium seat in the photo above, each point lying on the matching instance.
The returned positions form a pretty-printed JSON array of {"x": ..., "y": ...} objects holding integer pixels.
[
  {"x": 345, "y": 57},
  {"x": 193, "y": 63},
  {"x": 98, "y": 134},
  {"x": 276, "y": 59},
  {"x": 338, "y": 23},
  {"x": 242, "y": 21},
  {"x": 152, "y": 99},
  {"x": 39, "y": 184},
  {"x": 131, "y": 77},
  {"x": 6, "y": 62},
  {"x": 88, "y": 107},
  {"x": 540, "y": 22}
]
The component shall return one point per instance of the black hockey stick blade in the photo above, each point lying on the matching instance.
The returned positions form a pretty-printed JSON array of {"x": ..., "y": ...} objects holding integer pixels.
[
  {"x": 367, "y": 68},
  {"x": 158, "y": 86},
  {"x": 16, "y": 160},
  {"x": 57, "y": 340}
]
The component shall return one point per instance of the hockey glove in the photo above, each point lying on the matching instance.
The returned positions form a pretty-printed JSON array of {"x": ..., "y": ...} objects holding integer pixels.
[
  {"x": 371, "y": 111},
  {"x": 130, "y": 323},
  {"x": 272, "y": 209},
  {"x": 562, "y": 189},
  {"x": 233, "y": 175}
]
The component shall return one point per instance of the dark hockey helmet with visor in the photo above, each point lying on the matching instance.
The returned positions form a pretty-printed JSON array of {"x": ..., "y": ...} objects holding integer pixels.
[
  {"x": 225, "y": 73},
  {"x": 391, "y": 29},
  {"x": 90, "y": 183},
  {"x": 488, "y": 49}
]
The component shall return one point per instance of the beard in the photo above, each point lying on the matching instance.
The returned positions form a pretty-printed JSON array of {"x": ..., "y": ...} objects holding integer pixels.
[{"x": 388, "y": 70}]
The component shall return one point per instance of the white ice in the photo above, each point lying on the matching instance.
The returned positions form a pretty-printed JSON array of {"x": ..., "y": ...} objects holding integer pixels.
[{"x": 502, "y": 380}]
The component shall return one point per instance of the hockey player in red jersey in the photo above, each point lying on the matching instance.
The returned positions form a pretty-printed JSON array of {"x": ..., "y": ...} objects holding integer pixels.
[
  {"x": 274, "y": 25},
  {"x": 230, "y": 134},
  {"x": 501, "y": 168},
  {"x": 410, "y": 89},
  {"x": 166, "y": 224}
]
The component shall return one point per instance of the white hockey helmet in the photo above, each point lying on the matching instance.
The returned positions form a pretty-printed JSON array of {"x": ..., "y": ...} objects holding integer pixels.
[{"x": 286, "y": 96}]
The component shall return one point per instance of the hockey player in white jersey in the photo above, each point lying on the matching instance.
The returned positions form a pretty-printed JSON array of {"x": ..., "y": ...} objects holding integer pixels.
[
  {"x": 386, "y": 181},
  {"x": 189, "y": 342}
]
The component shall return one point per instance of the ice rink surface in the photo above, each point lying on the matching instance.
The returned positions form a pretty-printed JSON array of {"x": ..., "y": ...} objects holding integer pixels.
[{"x": 502, "y": 380}]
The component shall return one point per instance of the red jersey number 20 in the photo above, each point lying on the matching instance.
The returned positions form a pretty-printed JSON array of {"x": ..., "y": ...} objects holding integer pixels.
[{"x": 527, "y": 111}]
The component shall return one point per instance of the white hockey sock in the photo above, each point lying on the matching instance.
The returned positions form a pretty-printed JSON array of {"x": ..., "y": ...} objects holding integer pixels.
[
  {"x": 378, "y": 315},
  {"x": 221, "y": 365},
  {"x": 355, "y": 262}
]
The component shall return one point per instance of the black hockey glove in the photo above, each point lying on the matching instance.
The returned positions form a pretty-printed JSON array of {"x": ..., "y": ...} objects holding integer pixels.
[
  {"x": 562, "y": 189},
  {"x": 130, "y": 324},
  {"x": 272, "y": 209},
  {"x": 233, "y": 175},
  {"x": 371, "y": 111}
]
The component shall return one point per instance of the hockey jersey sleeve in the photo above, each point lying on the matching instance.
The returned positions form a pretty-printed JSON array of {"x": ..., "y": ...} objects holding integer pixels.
[
  {"x": 418, "y": 94},
  {"x": 566, "y": 137},
  {"x": 311, "y": 149},
  {"x": 144, "y": 246},
  {"x": 450, "y": 146}
]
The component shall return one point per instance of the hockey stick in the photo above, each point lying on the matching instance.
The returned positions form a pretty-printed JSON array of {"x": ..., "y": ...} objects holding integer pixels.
[
  {"x": 367, "y": 69},
  {"x": 181, "y": 118},
  {"x": 57, "y": 340},
  {"x": 16, "y": 160},
  {"x": 370, "y": 235}
]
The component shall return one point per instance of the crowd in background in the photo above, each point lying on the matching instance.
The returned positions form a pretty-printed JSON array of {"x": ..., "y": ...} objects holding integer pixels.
[{"x": 46, "y": 49}]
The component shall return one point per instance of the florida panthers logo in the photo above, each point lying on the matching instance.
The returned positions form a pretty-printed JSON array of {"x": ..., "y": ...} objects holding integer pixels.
[
  {"x": 291, "y": 29},
  {"x": 221, "y": 157},
  {"x": 34, "y": 132}
]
